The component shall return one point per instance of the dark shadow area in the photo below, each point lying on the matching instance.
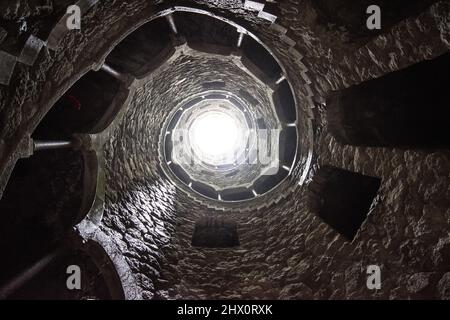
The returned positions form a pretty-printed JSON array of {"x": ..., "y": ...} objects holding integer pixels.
[
  {"x": 265, "y": 183},
  {"x": 215, "y": 232},
  {"x": 87, "y": 107},
  {"x": 180, "y": 173},
  {"x": 407, "y": 109},
  {"x": 41, "y": 202},
  {"x": 204, "y": 190},
  {"x": 213, "y": 85},
  {"x": 203, "y": 29},
  {"x": 236, "y": 194},
  {"x": 342, "y": 198},
  {"x": 50, "y": 283},
  {"x": 143, "y": 50},
  {"x": 285, "y": 103},
  {"x": 261, "y": 58},
  {"x": 288, "y": 146}
]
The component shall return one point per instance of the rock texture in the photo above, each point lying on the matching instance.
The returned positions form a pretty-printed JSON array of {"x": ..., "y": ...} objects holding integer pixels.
[{"x": 286, "y": 251}]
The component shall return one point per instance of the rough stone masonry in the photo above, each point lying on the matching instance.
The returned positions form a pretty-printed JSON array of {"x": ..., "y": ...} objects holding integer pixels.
[{"x": 144, "y": 223}]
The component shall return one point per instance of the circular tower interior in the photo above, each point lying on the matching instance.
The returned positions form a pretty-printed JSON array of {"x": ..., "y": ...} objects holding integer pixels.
[{"x": 224, "y": 149}]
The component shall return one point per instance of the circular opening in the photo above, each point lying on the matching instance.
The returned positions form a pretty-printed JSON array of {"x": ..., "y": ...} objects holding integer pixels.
[
  {"x": 215, "y": 138},
  {"x": 215, "y": 146},
  {"x": 212, "y": 134}
]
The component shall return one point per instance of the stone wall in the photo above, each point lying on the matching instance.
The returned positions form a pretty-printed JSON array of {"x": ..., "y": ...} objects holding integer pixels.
[
  {"x": 285, "y": 251},
  {"x": 406, "y": 232}
]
